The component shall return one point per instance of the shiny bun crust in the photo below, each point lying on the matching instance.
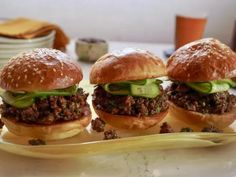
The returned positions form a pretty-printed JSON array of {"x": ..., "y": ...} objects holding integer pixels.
[
  {"x": 40, "y": 69},
  {"x": 202, "y": 120},
  {"x": 47, "y": 132},
  {"x": 128, "y": 64},
  {"x": 131, "y": 122},
  {"x": 202, "y": 60}
]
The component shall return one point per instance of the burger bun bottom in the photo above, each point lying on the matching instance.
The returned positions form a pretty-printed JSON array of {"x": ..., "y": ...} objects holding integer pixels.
[
  {"x": 131, "y": 122},
  {"x": 220, "y": 121},
  {"x": 47, "y": 132}
]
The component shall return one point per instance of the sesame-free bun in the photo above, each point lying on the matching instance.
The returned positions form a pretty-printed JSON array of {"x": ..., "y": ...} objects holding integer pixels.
[
  {"x": 47, "y": 132},
  {"x": 128, "y": 64},
  {"x": 201, "y": 61},
  {"x": 202, "y": 120},
  {"x": 130, "y": 122},
  {"x": 40, "y": 69}
]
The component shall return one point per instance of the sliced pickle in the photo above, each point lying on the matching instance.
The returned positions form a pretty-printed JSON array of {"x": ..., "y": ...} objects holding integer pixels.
[
  {"x": 23, "y": 100},
  {"x": 212, "y": 86},
  {"x": 144, "y": 88},
  {"x": 149, "y": 91}
]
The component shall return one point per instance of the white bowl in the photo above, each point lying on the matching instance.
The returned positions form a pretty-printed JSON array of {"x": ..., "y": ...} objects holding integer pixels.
[
  {"x": 14, "y": 47},
  {"x": 6, "y": 40},
  {"x": 2, "y": 63},
  {"x": 8, "y": 53},
  {"x": 4, "y": 60}
]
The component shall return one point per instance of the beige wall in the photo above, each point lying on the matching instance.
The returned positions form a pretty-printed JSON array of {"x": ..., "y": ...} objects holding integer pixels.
[{"x": 127, "y": 20}]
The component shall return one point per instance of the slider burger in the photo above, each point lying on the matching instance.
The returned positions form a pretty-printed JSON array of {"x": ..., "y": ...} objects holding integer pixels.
[
  {"x": 202, "y": 73},
  {"x": 42, "y": 98},
  {"x": 127, "y": 94}
]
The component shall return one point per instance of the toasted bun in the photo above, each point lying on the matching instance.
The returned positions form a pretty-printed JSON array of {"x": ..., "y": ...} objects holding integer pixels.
[
  {"x": 202, "y": 60},
  {"x": 202, "y": 120},
  {"x": 130, "y": 122},
  {"x": 47, "y": 132},
  {"x": 40, "y": 69},
  {"x": 128, "y": 64}
]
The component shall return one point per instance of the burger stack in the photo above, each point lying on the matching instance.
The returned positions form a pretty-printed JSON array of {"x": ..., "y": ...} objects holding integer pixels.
[
  {"x": 42, "y": 97},
  {"x": 202, "y": 74},
  {"x": 132, "y": 97}
]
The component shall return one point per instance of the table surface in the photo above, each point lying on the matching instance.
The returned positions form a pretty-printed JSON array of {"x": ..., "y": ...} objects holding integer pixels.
[{"x": 200, "y": 162}]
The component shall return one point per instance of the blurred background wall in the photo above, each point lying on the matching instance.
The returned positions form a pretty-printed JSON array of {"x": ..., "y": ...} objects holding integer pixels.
[{"x": 126, "y": 20}]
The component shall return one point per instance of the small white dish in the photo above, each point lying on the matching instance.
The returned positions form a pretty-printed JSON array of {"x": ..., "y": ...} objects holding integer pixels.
[
  {"x": 27, "y": 41},
  {"x": 21, "y": 46}
]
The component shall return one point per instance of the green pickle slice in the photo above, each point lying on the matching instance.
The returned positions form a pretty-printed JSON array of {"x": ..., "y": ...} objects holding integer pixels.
[
  {"x": 23, "y": 100},
  {"x": 118, "y": 89},
  {"x": 17, "y": 101},
  {"x": 149, "y": 91},
  {"x": 212, "y": 86},
  {"x": 148, "y": 88}
]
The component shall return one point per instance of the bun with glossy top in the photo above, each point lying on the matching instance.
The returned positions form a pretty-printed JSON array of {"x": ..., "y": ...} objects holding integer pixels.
[
  {"x": 39, "y": 70},
  {"x": 128, "y": 64},
  {"x": 201, "y": 61}
]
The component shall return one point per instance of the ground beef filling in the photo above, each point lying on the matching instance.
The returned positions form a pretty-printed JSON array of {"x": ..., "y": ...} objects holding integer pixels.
[
  {"x": 53, "y": 109},
  {"x": 185, "y": 97},
  {"x": 129, "y": 105}
]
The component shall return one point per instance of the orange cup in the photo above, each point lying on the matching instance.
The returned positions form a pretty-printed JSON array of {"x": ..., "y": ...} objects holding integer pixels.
[{"x": 188, "y": 29}]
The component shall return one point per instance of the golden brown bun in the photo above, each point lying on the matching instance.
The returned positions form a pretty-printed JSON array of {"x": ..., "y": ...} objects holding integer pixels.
[
  {"x": 130, "y": 122},
  {"x": 202, "y": 60},
  {"x": 128, "y": 64},
  {"x": 40, "y": 69},
  {"x": 47, "y": 132},
  {"x": 203, "y": 120}
]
